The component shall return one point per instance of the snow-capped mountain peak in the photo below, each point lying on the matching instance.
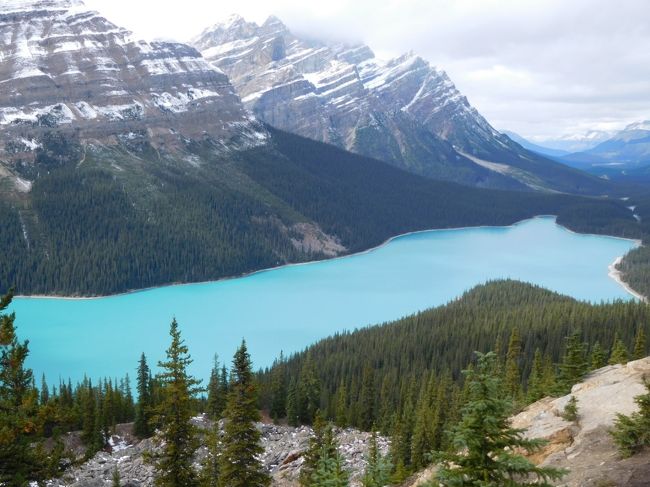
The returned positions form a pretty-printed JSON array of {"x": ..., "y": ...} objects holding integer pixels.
[
  {"x": 403, "y": 110},
  {"x": 64, "y": 67}
]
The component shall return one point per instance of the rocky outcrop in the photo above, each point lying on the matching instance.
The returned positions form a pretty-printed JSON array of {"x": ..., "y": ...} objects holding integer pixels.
[
  {"x": 584, "y": 447},
  {"x": 403, "y": 111},
  {"x": 284, "y": 448},
  {"x": 70, "y": 77}
]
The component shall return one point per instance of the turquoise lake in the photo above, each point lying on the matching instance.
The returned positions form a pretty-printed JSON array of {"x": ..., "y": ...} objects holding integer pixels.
[{"x": 291, "y": 307}]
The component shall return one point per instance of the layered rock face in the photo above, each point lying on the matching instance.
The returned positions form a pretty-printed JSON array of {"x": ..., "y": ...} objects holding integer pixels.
[
  {"x": 65, "y": 69},
  {"x": 403, "y": 111}
]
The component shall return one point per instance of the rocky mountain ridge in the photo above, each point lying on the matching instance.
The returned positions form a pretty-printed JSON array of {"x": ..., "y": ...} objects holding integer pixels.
[
  {"x": 69, "y": 76},
  {"x": 403, "y": 111}
]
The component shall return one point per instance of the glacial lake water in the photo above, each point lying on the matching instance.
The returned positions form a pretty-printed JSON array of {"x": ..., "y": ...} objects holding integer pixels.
[{"x": 291, "y": 307}]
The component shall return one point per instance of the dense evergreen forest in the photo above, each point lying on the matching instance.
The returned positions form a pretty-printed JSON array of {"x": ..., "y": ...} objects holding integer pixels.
[
  {"x": 128, "y": 219},
  {"x": 636, "y": 264},
  {"x": 404, "y": 377},
  {"x": 401, "y": 378}
]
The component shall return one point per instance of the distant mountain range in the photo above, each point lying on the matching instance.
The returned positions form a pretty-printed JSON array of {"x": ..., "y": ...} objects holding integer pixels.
[
  {"x": 403, "y": 111},
  {"x": 543, "y": 150},
  {"x": 626, "y": 152}
]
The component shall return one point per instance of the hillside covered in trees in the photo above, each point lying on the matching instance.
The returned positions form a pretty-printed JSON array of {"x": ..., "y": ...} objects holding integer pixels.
[
  {"x": 128, "y": 218},
  {"x": 404, "y": 377}
]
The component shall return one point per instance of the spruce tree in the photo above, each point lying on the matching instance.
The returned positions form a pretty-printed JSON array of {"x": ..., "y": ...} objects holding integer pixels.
[
  {"x": 598, "y": 357},
  {"x": 209, "y": 476},
  {"x": 421, "y": 442},
  {"x": 309, "y": 390},
  {"x": 116, "y": 479},
  {"x": 45, "y": 392},
  {"x": 329, "y": 470},
  {"x": 484, "y": 443},
  {"x": 239, "y": 465},
  {"x": 216, "y": 394},
  {"x": 293, "y": 404},
  {"x": 224, "y": 385},
  {"x": 143, "y": 411},
  {"x": 632, "y": 433},
  {"x": 19, "y": 460},
  {"x": 173, "y": 465},
  {"x": 535, "y": 380},
  {"x": 512, "y": 377},
  {"x": 278, "y": 389},
  {"x": 367, "y": 399},
  {"x": 620, "y": 354},
  {"x": 377, "y": 472},
  {"x": 639, "y": 344},
  {"x": 313, "y": 452},
  {"x": 341, "y": 413},
  {"x": 574, "y": 364}
]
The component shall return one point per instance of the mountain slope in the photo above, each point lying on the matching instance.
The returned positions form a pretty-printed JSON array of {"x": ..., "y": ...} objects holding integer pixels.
[{"x": 402, "y": 111}]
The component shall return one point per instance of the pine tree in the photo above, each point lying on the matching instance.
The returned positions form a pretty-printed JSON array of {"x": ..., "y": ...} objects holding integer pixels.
[
  {"x": 485, "y": 443},
  {"x": 19, "y": 461},
  {"x": 639, "y": 344},
  {"x": 598, "y": 357},
  {"x": 173, "y": 465},
  {"x": 142, "y": 426},
  {"x": 574, "y": 364},
  {"x": 239, "y": 465},
  {"x": 377, "y": 473},
  {"x": 620, "y": 354}
]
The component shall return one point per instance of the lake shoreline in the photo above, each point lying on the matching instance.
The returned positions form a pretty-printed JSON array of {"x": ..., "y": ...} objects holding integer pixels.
[
  {"x": 616, "y": 278},
  {"x": 617, "y": 275}
]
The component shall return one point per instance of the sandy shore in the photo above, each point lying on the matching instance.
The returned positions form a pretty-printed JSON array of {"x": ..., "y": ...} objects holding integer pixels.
[
  {"x": 615, "y": 274},
  {"x": 362, "y": 252}
]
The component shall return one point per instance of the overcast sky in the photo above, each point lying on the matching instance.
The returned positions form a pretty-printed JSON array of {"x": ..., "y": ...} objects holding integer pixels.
[{"x": 542, "y": 68}]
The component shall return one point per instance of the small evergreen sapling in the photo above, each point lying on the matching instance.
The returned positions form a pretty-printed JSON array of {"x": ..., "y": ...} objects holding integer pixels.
[
  {"x": 632, "y": 433},
  {"x": 484, "y": 443}
]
